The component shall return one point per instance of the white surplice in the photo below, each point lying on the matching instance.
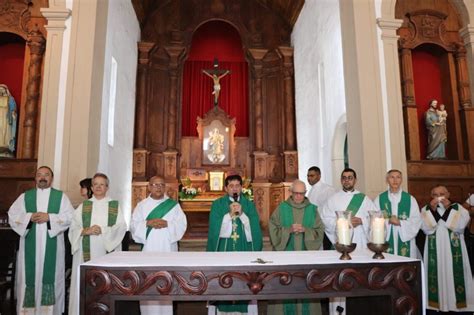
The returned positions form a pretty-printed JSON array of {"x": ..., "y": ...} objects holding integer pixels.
[
  {"x": 19, "y": 220},
  {"x": 320, "y": 193},
  {"x": 339, "y": 202},
  {"x": 108, "y": 241},
  {"x": 456, "y": 222},
  {"x": 159, "y": 240},
  {"x": 408, "y": 228}
]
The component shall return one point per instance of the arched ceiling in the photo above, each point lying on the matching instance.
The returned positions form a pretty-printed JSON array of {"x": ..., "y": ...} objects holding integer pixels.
[{"x": 288, "y": 10}]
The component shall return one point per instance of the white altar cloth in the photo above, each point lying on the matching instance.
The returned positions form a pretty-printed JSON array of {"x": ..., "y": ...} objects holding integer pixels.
[{"x": 214, "y": 259}]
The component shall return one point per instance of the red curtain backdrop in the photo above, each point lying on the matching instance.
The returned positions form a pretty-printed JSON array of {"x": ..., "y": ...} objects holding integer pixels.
[
  {"x": 428, "y": 82},
  {"x": 219, "y": 40},
  {"x": 12, "y": 54}
]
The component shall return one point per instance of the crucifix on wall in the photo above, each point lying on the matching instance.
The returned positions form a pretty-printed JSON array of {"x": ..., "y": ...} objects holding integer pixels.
[{"x": 216, "y": 75}]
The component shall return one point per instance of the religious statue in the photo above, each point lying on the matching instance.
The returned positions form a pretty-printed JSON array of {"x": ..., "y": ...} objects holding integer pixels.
[
  {"x": 435, "y": 122},
  {"x": 216, "y": 146},
  {"x": 8, "y": 121},
  {"x": 216, "y": 75}
]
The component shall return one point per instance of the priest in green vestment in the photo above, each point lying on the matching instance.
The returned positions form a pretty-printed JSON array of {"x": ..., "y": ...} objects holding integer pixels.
[
  {"x": 296, "y": 225},
  {"x": 234, "y": 226}
]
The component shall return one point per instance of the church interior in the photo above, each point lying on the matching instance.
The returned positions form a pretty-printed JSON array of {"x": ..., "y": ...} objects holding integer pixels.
[{"x": 196, "y": 90}]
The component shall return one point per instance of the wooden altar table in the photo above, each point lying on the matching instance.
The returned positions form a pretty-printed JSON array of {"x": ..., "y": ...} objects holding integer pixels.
[{"x": 201, "y": 276}]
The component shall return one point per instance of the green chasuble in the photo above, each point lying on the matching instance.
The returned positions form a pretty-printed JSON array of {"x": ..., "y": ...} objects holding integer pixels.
[
  {"x": 279, "y": 227},
  {"x": 49, "y": 263},
  {"x": 219, "y": 209}
]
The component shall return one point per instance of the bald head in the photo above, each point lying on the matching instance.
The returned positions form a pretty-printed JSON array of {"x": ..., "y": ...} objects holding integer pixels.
[{"x": 298, "y": 191}]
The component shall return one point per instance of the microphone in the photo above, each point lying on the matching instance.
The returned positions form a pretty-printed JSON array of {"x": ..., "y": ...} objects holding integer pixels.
[{"x": 235, "y": 196}]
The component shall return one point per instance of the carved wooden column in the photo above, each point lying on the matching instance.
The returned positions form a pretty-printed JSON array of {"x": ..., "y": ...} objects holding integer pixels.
[
  {"x": 260, "y": 156},
  {"x": 144, "y": 49},
  {"x": 462, "y": 76},
  {"x": 257, "y": 68},
  {"x": 140, "y": 154},
  {"x": 410, "y": 115},
  {"x": 290, "y": 154},
  {"x": 288, "y": 71},
  {"x": 36, "y": 43},
  {"x": 467, "y": 110},
  {"x": 261, "y": 198},
  {"x": 171, "y": 154}
]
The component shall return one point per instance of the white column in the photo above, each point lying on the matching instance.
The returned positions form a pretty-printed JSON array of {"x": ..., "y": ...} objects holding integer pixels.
[
  {"x": 364, "y": 97},
  {"x": 52, "y": 102},
  {"x": 391, "y": 92}
]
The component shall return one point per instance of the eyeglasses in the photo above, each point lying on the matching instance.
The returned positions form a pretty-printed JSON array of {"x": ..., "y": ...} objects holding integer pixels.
[
  {"x": 156, "y": 185},
  {"x": 298, "y": 193},
  {"x": 347, "y": 177}
]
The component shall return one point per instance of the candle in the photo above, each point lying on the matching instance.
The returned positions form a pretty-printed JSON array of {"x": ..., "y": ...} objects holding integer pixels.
[
  {"x": 378, "y": 230},
  {"x": 343, "y": 233}
]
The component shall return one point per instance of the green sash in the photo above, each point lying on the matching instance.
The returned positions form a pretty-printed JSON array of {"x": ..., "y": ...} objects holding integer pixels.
[
  {"x": 403, "y": 213},
  {"x": 86, "y": 223},
  {"x": 286, "y": 217},
  {"x": 458, "y": 270},
  {"x": 355, "y": 203},
  {"x": 160, "y": 211},
  {"x": 49, "y": 267}
]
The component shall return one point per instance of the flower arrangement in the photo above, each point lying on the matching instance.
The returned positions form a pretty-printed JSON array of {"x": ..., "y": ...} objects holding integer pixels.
[
  {"x": 247, "y": 190},
  {"x": 187, "y": 191}
]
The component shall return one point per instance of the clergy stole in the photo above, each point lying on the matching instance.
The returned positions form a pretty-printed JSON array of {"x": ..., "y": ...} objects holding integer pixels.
[
  {"x": 49, "y": 266},
  {"x": 355, "y": 203},
  {"x": 458, "y": 269},
  {"x": 159, "y": 212},
  {"x": 86, "y": 223},
  {"x": 403, "y": 213},
  {"x": 286, "y": 216}
]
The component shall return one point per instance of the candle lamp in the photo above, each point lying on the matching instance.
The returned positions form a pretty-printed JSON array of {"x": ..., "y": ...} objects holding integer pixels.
[
  {"x": 377, "y": 234},
  {"x": 344, "y": 233}
]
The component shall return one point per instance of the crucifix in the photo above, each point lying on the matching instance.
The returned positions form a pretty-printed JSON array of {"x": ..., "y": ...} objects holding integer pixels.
[{"x": 216, "y": 74}]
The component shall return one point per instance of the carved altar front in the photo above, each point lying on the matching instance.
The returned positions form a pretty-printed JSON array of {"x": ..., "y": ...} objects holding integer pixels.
[{"x": 203, "y": 276}]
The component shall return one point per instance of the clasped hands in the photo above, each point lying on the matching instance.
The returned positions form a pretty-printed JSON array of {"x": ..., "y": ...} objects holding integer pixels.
[
  {"x": 39, "y": 217},
  {"x": 157, "y": 223},
  {"x": 93, "y": 230},
  {"x": 296, "y": 228},
  {"x": 356, "y": 221}
]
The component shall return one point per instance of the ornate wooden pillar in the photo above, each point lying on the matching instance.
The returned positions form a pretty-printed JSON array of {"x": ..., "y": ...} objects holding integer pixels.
[
  {"x": 410, "y": 115},
  {"x": 260, "y": 156},
  {"x": 290, "y": 154},
  {"x": 288, "y": 70},
  {"x": 467, "y": 110},
  {"x": 144, "y": 49},
  {"x": 462, "y": 76},
  {"x": 171, "y": 154},
  {"x": 36, "y": 43}
]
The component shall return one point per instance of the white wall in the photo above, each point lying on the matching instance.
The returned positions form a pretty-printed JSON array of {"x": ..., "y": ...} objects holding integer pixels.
[
  {"x": 122, "y": 35},
  {"x": 319, "y": 84}
]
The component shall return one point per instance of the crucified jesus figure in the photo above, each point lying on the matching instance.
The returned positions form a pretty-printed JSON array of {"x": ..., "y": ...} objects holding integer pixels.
[{"x": 216, "y": 75}]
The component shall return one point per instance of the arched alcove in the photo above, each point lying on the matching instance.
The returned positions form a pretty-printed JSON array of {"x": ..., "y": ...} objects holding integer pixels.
[
  {"x": 215, "y": 40},
  {"x": 12, "y": 59}
]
